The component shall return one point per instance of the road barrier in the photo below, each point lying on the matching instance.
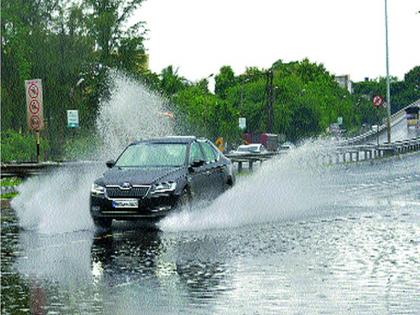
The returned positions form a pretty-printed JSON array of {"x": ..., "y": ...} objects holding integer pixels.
[
  {"x": 250, "y": 158},
  {"x": 395, "y": 119},
  {"x": 343, "y": 154},
  {"x": 356, "y": 153},
  {"x": 23, "y": 170}
]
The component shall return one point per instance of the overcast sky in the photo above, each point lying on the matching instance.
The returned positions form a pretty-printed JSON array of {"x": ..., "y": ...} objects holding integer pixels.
[{"x": 347, "y": 36}]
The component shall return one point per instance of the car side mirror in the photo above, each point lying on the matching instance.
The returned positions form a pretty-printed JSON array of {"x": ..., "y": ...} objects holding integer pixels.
[
  {"x": 195, "y": 164},
  {"x": 110, "y": 163}
]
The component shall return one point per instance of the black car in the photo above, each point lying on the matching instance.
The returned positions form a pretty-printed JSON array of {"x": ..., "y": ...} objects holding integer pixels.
[{"x": 153, "y": 177}]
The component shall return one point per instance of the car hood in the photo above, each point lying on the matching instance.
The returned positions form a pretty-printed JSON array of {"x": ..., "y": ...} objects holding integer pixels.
[{"x": 140, "y": 176}]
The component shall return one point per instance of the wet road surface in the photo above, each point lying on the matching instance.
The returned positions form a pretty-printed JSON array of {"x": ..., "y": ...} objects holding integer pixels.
[{"x": 359, "y": 256}]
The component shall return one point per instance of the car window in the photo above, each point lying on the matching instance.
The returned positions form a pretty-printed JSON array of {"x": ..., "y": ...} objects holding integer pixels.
[
  {"x": 195, "y": 153},
  {"x": 153, "y": 155},
  {"x": 210, "y": 155}
]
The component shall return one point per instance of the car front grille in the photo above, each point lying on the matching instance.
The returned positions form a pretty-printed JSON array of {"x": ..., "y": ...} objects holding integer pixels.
[{"x": 133, "y": 192}]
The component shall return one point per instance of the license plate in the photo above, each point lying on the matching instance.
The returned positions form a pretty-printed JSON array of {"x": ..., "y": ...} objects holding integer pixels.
[{"x": 125, "y": 203}]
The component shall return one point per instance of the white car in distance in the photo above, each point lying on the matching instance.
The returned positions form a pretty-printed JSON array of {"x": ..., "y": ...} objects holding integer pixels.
[{"x": 255, "y": 148}]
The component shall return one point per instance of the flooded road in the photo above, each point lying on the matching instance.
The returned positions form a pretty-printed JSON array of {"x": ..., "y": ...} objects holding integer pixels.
[{"x": 357, "y": 254}]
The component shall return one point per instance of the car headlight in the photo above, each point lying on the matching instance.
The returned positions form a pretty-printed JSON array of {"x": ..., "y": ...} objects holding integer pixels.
[
  {"x": 97, "y": 189},
  {"x": 164, "y": 187}
]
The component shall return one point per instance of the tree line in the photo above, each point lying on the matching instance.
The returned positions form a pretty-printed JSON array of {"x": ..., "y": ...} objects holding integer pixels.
[{"x": 72, "y": 46}]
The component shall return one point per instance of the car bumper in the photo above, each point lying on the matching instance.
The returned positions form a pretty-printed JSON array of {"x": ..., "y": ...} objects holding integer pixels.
[{"x": 148, "y": 208}]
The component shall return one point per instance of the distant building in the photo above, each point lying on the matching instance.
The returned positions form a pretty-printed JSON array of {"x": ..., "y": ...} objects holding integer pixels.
[{"x": 345, "y": 82}]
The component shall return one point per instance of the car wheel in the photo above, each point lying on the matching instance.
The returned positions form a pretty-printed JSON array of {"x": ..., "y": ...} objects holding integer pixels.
[
  {"x": 229, "y": 183},
  {"x": 102, "y": 223},
  {"x": 185, "y": 200}
]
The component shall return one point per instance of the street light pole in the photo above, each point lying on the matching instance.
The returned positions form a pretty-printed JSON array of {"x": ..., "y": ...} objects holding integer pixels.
[
  {"x": 270, "y": 100},
  {"x": 388, "y": 89}
]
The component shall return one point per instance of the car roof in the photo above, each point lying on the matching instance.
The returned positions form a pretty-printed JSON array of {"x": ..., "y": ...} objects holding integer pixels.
[{"x": 168, "y": 139}]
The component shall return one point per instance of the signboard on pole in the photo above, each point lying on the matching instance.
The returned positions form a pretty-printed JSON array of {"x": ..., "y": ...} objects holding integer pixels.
[
  {"x": 220, "y": 144},
  {"x": 34, "y": 104},
  {"x": 73, "y": 118},
  {"x": 340, "y": 120},
  {"x": 242, "y": 123},
  {"x": 377, "y": 101}
]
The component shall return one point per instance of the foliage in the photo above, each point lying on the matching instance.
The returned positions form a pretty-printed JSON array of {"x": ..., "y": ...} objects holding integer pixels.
[
  {"x": 20, "y": 147},
  {"x": 80, "y": 146},
  {"x": 71, "y": 47},
  {"x": 224, "y": 80},
  {"x": 403, "y": 92},
  {"x": 11, "y": 181}
]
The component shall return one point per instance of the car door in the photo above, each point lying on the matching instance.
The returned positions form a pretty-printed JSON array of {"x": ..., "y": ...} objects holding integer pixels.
[
  {"x": 197, "y": 175},
  {"x": 214, "y": 170}
]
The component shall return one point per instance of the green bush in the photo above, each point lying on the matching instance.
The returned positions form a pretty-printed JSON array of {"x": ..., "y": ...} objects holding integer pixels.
[
  {"x": 20, "y": 147},
  {"x": 82, "y": 146}
]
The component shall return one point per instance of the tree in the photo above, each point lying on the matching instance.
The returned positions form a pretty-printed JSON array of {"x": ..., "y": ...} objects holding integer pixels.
[
  {"x": 171, "y": 82},
  {"x": 224, "y": 81}
]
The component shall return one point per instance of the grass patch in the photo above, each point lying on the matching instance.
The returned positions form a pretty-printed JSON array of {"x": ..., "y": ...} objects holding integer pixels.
[
  {"x": 10, "y": 181},
  {"x": 9, "y": 196}
]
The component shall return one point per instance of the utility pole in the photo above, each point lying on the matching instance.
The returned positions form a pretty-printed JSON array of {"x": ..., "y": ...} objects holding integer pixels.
[
  {"x": 388, "y": 89},
  {"x": 270, "y": 100}
]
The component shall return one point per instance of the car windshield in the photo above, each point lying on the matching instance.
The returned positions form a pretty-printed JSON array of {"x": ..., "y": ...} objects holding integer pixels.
[{"x": 153, "y": 155}]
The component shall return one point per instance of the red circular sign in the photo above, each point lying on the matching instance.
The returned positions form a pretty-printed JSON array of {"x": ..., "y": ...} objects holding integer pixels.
[
  {"x": 33, "y": 90},
  {"x": 377, "y": 101},
  {"x": 35, "y": 122},
  {"x": 34, "y": 107}
]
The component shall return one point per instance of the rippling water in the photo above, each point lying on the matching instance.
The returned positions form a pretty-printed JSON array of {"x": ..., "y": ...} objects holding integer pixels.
[{"x": 355, "y": 255}]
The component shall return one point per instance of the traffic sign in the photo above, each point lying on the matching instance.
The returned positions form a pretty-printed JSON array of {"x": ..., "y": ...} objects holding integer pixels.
[
  {"x": 242, "y": 123},
  {"x": 34, "y": 107},
  {"x": 220, "y": 144},
  {"x": 35, "y": 122},
  {"x": 73, "y": 118},
  {"x": 33, "y": 91},
  {"x": 377, "y": 101}
]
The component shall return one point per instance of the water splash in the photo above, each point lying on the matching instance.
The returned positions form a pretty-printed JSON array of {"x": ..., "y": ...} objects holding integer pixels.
[
  {"x": 290, "y": 186},
  {"x": 59, "y": 202},
  {"x": 133, "y": 112}
]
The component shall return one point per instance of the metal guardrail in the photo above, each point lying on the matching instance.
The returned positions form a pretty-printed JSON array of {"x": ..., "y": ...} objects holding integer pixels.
[
  {"x": 24, "y": 170},
  {"x": 250, "y": 158},
  {"x": 355, "y": 153},
  {"x": 395, "y": 119},
  {"x": 343, "y": 153}
]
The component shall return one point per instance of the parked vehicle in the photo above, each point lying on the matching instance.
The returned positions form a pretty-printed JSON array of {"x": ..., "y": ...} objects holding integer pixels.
[
  {"x": 269, "y": 140},
  {"x": 250, "y": 148},
  {"x": 286, "y": 146},
  {"x": 154, "y": 177},
  {"x": 413, "y": 117}
]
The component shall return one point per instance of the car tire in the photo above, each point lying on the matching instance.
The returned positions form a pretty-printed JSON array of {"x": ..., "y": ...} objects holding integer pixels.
[
  {"x": 102, "y": 223},
  {"x": 185, "y": 200},
  {"x": 229, "y": 183}
]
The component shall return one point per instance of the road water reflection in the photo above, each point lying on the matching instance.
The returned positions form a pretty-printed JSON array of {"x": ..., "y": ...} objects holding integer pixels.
[{"x": 361, "y": 256}]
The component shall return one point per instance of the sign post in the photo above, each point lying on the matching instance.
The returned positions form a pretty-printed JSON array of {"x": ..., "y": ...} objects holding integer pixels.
[
  {"x": 220, "y": 144},
  {"x": 377, "y": 101},
  {"x": 242, "y": 123},
  {"x": 34, "y": 109},
  {"x": 73, "y": 118}
]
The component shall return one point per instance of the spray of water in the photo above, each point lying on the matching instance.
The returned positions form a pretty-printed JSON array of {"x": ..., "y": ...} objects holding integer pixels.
[
  {"x": 59, "y": 202},
  {"x": 132, "y": 113},
  {"x": 290, "y": 186}
]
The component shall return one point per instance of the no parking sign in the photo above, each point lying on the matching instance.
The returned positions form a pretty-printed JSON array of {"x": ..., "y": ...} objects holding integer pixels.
[
  {"x": 34, "y": 110},
  {"x": 377, "y": 101}
]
